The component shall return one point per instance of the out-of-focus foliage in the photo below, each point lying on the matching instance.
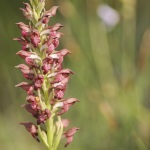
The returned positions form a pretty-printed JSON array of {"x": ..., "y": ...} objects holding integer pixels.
[{"x": 112, "y": 66}]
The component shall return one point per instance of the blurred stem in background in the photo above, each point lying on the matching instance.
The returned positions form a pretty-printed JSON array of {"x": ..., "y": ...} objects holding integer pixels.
[{"x": 128, "y": 30}]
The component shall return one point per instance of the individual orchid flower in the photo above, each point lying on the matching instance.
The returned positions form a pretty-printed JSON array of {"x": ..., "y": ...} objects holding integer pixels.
[
  {"x": 27, "y": 11},
  {"x": 32, "y": 129},
  {"x": 69, "y": 135}
]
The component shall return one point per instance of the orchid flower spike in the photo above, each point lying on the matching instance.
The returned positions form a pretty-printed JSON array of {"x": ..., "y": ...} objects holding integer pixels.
[{"x": 47, "y": 79}]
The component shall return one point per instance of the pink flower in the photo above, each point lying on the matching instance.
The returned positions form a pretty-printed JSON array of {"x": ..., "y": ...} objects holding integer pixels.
[
  {"x": 28, "y": 87},
  {"x": 61, "y": 75},
  {"x": 24, "y": 42},
  {"x": 25, "y": 29},
  {"x": 38, "y": 81},
  {"x": 32, "y": 129},
  {"x": 35, "y": 38},
  {"x": 24, "y": 68},
  {"x": 69, "y": 135},
  {"x": 59, "y": 55},
  {"x": 30, "y": 58},
  {"x": 65, "y": 105},
  {"x": 32, "y": 108},
  {"x": 56, "y": 27},
  {"x": 64, "y": 108},
  {"x": 27, "y": 72},
  {"x": 71, "y": 101},
  {"x": 51, "y": 30},
  {"x": 24, "y": 54},
  {"x": 50, "y": 45},
  {"x": 47, "y": 63},
  {"x": 27, "y": 11},
  {"x": 59, "y": 94},
  {"x": 31, "y": 99},
  {"x": 45, "y": 114},
  {"x": 47, "y": 15},
  {"x": 65, "y": 122}
]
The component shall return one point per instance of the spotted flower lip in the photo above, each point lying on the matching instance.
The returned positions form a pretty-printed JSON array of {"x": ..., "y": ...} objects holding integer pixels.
[
  {"x": 32, "y": 99},
  {"x": 43, "y": 116},
  {"x": 35, "y": 38},
  {"x": 46, "y": 78},
  {"x": 38, "y": 81}
]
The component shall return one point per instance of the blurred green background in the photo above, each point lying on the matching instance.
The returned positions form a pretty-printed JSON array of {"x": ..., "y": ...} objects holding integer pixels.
[{"x": 110, "y": 45}]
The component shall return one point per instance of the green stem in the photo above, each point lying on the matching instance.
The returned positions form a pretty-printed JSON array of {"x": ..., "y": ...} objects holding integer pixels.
[
  {"x": 42, "y": 136},
  {"x": 46, "y": 95},
  {"x": 40, "y": 98},
  {"x": 49, "y": 122},
  {"x": 58, "y": 134},
  {"x": 50, "y": 132}
]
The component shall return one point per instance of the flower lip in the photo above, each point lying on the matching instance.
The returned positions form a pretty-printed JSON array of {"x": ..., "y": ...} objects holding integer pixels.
[
  {"x": 23, "y": 26},
  {"x": 71, "y": 131},
  {"x": 23, "y": 54},
  {"x": 21, "y": 84},
  {"x": 22, "y": 66},
  {"x": 56, "y": 27},
  {"x": 66, "y": 71}
]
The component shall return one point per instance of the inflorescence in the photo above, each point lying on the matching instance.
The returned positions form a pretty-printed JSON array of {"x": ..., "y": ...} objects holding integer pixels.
[{"x": 47, "y": 79}]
